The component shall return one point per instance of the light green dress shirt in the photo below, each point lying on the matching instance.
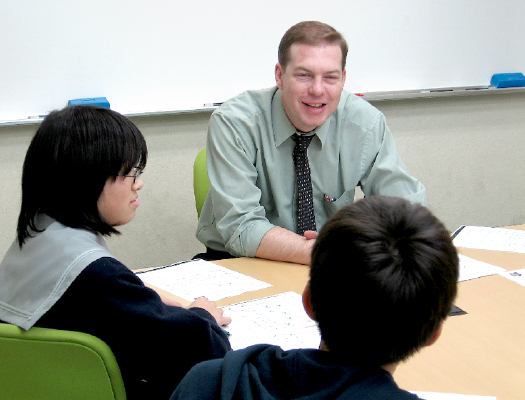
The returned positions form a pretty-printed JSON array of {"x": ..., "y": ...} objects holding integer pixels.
[{"x": 252, "y": 174}]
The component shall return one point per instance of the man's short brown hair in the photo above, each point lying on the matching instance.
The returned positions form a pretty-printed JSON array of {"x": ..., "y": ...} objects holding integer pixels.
[{"x": 313, "y": 33}]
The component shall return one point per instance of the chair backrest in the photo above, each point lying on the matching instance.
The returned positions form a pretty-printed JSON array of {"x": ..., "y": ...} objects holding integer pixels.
[
  {"x": 50, "y": 364},
  {"x": 201, "y": 183}
]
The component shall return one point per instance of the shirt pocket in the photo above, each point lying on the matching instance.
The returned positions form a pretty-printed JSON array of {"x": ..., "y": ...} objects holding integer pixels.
[{"x": 332, "y": 205}]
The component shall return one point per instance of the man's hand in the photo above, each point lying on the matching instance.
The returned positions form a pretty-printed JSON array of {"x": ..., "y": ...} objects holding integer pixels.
[{"x": 310, "y": 235}]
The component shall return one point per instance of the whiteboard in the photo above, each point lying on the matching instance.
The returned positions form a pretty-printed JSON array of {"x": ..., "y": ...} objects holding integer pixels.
[{"x": 165, "y": 55}]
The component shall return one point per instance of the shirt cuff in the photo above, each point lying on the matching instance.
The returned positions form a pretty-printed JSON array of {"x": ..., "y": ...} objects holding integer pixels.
[{"x": 246, "y": 243}]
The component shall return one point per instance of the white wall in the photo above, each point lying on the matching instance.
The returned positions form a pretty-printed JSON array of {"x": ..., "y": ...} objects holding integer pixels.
[
  {"x": 468, "y": 151},
  {"x": 161, "y": 55}
]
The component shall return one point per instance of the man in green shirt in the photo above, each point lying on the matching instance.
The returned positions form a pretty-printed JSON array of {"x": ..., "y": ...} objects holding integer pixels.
[{"x": 251, "y": 208}]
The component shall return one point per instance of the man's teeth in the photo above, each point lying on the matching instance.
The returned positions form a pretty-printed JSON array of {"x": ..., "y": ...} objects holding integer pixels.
[{"x": 314, "y": 105}]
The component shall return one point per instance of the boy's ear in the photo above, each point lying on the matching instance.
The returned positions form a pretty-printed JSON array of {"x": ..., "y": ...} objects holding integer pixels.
[
  {"x": 435, "y": 336},
  {"x": 307, "y": 302}
]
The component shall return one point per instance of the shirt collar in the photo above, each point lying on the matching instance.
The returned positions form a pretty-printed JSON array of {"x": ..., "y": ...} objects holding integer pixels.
[{"x": 283, "y": 128}]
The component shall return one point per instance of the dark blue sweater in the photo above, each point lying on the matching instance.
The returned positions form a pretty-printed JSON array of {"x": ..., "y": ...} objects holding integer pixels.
[
  {"x": 264, "y": 372},
  {"x": 154, "y": 344}
]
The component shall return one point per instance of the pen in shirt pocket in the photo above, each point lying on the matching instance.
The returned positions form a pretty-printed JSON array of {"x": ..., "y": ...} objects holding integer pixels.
[{"x": 329, "y": 198}]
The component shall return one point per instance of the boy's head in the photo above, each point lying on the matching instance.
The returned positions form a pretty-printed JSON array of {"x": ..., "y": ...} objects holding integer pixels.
[{"x": 383, "y": 278}]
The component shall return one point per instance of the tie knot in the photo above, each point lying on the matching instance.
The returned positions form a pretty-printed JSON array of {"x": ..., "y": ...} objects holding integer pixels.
[{"x": 302, "y": 141}]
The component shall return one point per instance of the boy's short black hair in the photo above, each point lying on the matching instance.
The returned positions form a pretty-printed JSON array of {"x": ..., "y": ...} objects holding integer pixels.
[
  {"x": 73, "y": 153},
  {"x": 383, "y": 277}
]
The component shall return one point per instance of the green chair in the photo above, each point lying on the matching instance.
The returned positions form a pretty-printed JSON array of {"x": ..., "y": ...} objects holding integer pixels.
[
  {"x": 201, "y": 183},
  {"x": 52, "y": 364}
]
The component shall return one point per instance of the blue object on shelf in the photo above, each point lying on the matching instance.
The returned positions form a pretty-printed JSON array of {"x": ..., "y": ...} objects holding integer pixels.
[
  {"x": 90, "y": 101},
  {"x": 514, "y": 79}
]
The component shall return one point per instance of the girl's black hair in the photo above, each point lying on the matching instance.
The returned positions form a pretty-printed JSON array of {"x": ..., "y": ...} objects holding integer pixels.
[{"x": 70, "y": 158}]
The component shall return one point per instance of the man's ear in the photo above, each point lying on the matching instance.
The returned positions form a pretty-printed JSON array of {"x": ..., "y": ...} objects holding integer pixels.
[
  {"x": 279, "y": 75},
  {"x": 435, "y": 336},
  {"x": 307, "y": 302}
]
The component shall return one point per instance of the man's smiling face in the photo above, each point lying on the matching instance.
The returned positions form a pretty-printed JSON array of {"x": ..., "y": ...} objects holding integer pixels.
[{"x": 311, "y": 84}]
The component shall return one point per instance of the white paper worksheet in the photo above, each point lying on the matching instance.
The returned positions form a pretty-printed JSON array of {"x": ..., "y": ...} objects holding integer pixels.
[
  {"x": 517, "y": 276},
  {"x": 279, "y": 320},
  {"x": 192, "y": 279},
  {"x": 482, "y": 237},
  {"x": 470, "y": 268},
  {"x": 451, "y": 396}
]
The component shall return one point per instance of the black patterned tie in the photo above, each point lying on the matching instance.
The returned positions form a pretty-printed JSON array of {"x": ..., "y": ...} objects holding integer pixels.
[{"x": 305, "y": 206}]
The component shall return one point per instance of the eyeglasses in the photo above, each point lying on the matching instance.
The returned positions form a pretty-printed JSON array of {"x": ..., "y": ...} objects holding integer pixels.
[{"x": 137, "y": 174}]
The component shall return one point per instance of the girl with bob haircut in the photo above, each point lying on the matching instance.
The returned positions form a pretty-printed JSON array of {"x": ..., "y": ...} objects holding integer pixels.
[{"x": 80, "y": 180}]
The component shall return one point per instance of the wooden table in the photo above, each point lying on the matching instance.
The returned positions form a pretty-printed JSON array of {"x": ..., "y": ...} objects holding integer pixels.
[{"x": 480, "y": 353}]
